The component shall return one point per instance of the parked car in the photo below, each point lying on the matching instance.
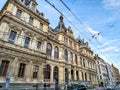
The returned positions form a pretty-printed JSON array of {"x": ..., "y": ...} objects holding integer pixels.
[
  {"x": 79, "y": 87},
  {"x": 110, "y": 87}
]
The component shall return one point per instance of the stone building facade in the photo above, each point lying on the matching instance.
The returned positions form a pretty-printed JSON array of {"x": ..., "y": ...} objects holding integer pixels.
[
  {"x": 101, "y": 70},
  {"x": 116, "y": 74},
  {"x": 34, "y": 52}
]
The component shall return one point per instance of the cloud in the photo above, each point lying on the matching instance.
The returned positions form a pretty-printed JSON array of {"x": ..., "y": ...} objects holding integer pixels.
[
  {"x": 92, "y": 31},
  {"x": 108, "y": 43},
  {"x": 111, "y": 4},
  {"x": 107, "y": 49}
]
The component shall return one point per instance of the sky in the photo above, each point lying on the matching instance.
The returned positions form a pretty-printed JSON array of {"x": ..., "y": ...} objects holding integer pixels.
[{"x": 94, "y": 16}]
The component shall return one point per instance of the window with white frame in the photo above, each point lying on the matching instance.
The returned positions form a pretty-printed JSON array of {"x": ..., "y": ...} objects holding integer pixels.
[
  {"x": 65, "y": 55},
  {"x": 26, "y": 42},
  {"x": 18, "y": 13},
  {"x": 71, "y": 57},
  {"x": 12, "y": 36},
  {"x": 35, "y": 71},
  {"x": 49, "y": 49},
  {"x": 31, "y": 20},
  {"x": 38, "y": 45},
  {"x": 56, "y": 53}
]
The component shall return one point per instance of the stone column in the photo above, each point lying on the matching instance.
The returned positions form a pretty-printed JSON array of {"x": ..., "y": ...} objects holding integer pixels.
[
  {"x": 33, "y": 44},
  {"x": 74, "y": 59},
  {"x": 20, "y": 39},
  {"x": 42, "y": 76},
  {"x": 75, "y": 74},
  {"x": 13, "y": 67},
  {"x": 79, "y": 61},
  {"x": 51, "y": 74},
  {"x": 69, "y": 73},
  {"x": 0, "y": 61},
  {"x": 80, "y": 75},
  {"x": 61, "y": 75},
  {"x": 40, "y": 73},
  {"x": 53, "y": 47},
  {"x": 44, "y": 46},
  {"x": 61, "y": 54},
  {"x": 88, "y": 79},
  {"x": 29, "y": 71},
  {"x": 69, "y": 57}
]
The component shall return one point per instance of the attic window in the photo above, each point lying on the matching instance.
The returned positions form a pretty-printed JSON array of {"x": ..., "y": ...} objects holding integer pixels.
[{"x": 33, "y": 7}]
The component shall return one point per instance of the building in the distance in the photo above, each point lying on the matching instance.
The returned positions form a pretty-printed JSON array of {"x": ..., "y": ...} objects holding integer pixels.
[
  {"x": 116, "y": 74},
  {"x": 111, "y": 78},
  {"x": 102, "y": 73},
  {"x": 36, "y": 53}
]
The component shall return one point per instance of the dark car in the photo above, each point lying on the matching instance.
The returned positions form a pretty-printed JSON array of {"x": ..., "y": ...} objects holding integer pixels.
[{"x": 80, "y": 87}]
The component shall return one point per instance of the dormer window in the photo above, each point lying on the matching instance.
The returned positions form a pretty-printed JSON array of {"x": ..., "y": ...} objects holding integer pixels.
[
  {"x": 31, "y": 20},
  {"x": 18, "y": 13},
  {"x": 41, "y": 26},
  {"x": 33, "y": 7},
  {"x": 22, "y": 0},
  {"x": 27, "y": 2}
]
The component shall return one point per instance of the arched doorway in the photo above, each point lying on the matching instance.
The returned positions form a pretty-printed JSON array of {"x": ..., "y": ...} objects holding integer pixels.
[
  {"x": 72, "y": 75},
  {"x": 56, "y": 77},
  {"x": 66, "y": 75},
  {"x": 77, "y": 75},
  {"x": 85, "y": 76},
  {"x": 46, "y": 72}
]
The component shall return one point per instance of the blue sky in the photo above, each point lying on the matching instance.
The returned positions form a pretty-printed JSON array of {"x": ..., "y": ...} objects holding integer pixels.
[{"x": 97, "y": 16}]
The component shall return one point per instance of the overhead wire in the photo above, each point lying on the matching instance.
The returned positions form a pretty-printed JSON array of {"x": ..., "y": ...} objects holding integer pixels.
[
  {"x": 77, "y": 19},
  {"x": 70, "y": 22}
]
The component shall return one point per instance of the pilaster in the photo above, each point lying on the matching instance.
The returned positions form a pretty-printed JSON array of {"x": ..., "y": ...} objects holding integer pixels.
[
  {"x": 29, "y": 70},
  {"x": 51, "y": 73}
]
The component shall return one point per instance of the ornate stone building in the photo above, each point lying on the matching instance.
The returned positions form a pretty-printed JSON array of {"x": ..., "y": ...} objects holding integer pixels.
[
  {"x": 116, "y": 74},
  {"x": 102, "y": 73},
  {"x": 34, "y": 52}
]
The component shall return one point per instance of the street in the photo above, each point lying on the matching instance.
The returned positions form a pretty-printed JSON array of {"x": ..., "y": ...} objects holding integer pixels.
[{"x": 102, "y": 88}]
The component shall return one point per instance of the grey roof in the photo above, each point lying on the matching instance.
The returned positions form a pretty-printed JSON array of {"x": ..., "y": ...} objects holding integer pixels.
[{"x": 60, "y": 25}]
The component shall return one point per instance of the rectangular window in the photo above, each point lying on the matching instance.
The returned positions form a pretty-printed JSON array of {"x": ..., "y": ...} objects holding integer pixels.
[
  {"x": 41, "y": 26},
  {"x": 38, "y": 45},
  {"x": 4, "y": 68},
  {"x": 18, "y": 13},
  {"x": 31, "y": 20},
  {"x": 35, "y": 71},
  {"x": 26, "y": 43},
  {"x": 12, "y": 36},
  {"x": 21, "y": 70}
]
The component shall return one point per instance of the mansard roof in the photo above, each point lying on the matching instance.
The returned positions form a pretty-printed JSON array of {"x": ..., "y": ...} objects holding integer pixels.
[{"x": 60, "y": 25}]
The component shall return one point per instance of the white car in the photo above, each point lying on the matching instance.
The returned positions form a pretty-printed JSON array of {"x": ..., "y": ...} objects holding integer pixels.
[{"x": 110, "y": 87}]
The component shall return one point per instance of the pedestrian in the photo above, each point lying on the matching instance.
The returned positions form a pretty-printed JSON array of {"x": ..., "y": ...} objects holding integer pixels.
[{"x": 37, "y": 86}]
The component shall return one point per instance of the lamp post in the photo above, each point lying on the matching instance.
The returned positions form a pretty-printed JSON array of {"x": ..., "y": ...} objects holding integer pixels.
[{"x": 8, "y": 79}]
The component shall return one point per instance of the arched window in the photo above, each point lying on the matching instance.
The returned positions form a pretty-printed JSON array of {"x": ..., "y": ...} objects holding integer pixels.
[
  {"x": 46, "y": 71},
  {"x": 72, "y": 74},
  {"x": 81, "y": 61},
  {"x": 55, "y": 77},
  {"x": 66, "y": 75},
  {"x": 77, "y": 75},
  {"x": 84, "y": 62},
  {"x": 82, "y": 76},
  {"x": 71, "y": 57},
  {"x": 56, "y": 53},
  {"x": 49, "y": 49},
  {"x": 65, "y": 55},
  {"x": 85, "y": 76},
  {"x": 76, "y": 59}
]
